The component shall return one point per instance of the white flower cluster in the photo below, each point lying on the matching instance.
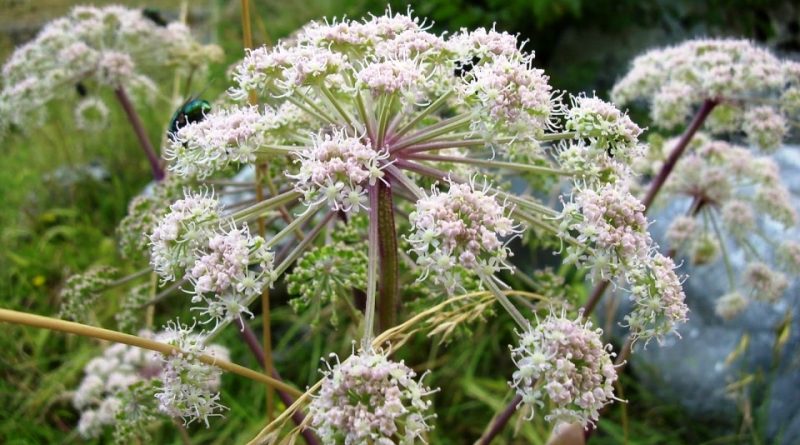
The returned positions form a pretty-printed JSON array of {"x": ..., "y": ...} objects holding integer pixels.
[
  {"x": 231, "y": 136},
  {"x": 109, "y": 379},
  {"x": 181, "y": 232},
  {"x": 612, "y": 239},
  {"x": 98, "y": 397},
  {"x": 283, "y": 69},
  {"x": 483, "y": 44},
  {"x": 658, "y": 299},
  {"x": 390, "y": 61},
  {"x": 737, "y": 74},
  {"x": 464, "y": 226},
  {"x": 509, "y": 96},
  {"x": 767, "y": 284},
  {"x": 223, "y": 278},
  {"x": 222, "y": 137},
  {"x": 337, "y": 170},
  {"x": 731, "y": 189},
  {"x": 109, "y": 47},
  {"x": 565, "y": 363},
  {"x": 730, "y": 305},
  {"x": 391, "y": 76},
  {"x": 189, "y": 389},
  {"x": 226, "y": 266},
  {"x": 611, "y": 228},
  {"x": 370, "y": 399},
  {"x": 605, "y": 126},
  {"x": 606, "y": 146}
]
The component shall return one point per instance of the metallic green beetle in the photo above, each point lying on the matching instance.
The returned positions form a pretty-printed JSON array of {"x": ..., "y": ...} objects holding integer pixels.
[{"x": 193, "y": 110}]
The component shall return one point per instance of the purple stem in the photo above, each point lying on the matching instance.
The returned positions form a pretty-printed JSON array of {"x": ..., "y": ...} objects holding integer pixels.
[
  {"x": 141, "y": 134},
  {"x": 500, "y": 421},
  {"x": 389, "y": 282},
  {"x": 678, "y": 151}
]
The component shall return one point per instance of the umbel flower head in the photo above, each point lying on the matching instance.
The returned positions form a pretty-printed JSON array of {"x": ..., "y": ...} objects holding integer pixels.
[
  {"x": 337, "y": 170},
  {"x": 380, "y": 104},
  {"x": 767, "y": 284},
  {"x": 611, "y": 228},
  {"x": 737, "y": 74},
  {"x": 368, "y": 82},
  {"x": 231, "y": 269},
  {"x": 730, "y": 305},
  {"x": 658, "y": 298},
  {"x": 177, "y": 237},
  {"x": 464, "y": 226},
  {"x": 731, "y": 189},
  {"x": 604, "y": 125},
  {"x": 370, "y": 399},
  {"x": 189, "y": 389},
  {"x": 230, "y": 136},
  {"x": 564, "y": 363},
  {"x": 107, "y": 47}
]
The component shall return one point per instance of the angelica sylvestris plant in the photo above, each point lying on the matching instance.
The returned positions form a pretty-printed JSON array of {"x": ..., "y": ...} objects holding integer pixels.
[
  {"x": 368, "y": 113},
  {"x": 92, "y": 50},
  {"x": 408, "y": 140},
  {"x": 748, "y": 96}
]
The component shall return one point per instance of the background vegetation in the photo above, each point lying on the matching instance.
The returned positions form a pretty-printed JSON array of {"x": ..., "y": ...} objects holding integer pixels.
[{"x": 62, "y": 193}]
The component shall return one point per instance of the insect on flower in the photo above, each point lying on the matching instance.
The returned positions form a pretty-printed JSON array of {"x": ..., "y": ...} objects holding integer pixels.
[{"x": 192, "y": 111}]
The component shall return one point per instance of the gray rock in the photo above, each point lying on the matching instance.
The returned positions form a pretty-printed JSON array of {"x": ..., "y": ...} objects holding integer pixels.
[{"x": 692, "y": 371}]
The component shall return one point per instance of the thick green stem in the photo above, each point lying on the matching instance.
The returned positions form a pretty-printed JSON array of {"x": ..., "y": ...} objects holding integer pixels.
[
  {"x": 373, "y": 255},
  {"x": 389, "y": 272}
]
